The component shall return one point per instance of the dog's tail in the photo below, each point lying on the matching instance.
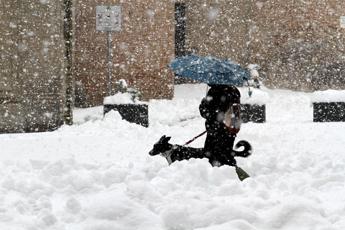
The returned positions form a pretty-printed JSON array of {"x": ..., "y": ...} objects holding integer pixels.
[{"x": 246, "y": 152}]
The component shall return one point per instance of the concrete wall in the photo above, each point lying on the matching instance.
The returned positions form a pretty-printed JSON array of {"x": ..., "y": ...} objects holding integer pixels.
[
  {"x": 32, "y": 66},
  {"x": 141, "y": 50}
]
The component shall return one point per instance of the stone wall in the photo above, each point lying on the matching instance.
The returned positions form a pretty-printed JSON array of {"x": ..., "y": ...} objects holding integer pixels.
[
  {"x": 141, "y": 50},
  {"x": 32, "y": 65}
]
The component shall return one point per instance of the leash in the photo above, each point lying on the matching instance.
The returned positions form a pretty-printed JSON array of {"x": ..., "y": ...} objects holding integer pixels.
[{"x": 194, "y": 138}]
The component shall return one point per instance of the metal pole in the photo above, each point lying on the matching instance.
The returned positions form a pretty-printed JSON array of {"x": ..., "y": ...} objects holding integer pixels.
[
  {"x": 69, "y": 79},
  {"x": 110, "y": 63}
]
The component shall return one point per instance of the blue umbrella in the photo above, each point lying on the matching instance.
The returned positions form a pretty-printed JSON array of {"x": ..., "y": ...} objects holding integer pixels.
[{"x": 210, "y": 70}]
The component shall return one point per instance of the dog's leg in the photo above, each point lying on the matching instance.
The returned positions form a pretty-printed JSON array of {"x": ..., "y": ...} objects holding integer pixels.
[
  {"x": 180, "y": 153},
  {"x": 168, "y": 155}
]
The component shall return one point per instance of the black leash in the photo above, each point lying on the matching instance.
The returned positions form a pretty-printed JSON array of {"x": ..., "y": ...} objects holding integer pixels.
[{"x": 194, "y": 138}]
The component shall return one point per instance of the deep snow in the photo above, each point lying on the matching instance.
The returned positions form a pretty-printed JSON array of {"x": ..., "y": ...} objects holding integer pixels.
[{"x": 97, "y": 174}]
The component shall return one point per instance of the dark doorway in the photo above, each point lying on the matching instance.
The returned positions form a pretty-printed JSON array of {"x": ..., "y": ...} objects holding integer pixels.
[{"x": 180, "y": 29}]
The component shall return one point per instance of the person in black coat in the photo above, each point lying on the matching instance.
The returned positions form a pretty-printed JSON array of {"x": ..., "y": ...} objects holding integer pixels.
[{"x": 220, "y": 137}]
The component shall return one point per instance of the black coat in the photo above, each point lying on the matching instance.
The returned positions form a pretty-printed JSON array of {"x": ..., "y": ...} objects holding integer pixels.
[{"x": 219, "y": 142}]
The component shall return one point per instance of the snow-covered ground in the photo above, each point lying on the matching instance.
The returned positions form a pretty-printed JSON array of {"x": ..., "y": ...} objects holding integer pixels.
[{"x": 97, "y": 174}]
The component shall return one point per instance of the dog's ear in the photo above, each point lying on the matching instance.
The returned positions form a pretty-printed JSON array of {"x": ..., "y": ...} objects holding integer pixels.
[{"x": 162, "y": 138}]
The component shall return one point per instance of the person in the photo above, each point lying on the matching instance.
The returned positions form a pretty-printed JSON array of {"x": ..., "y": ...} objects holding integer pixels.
[{"x": 221, "y": 110}]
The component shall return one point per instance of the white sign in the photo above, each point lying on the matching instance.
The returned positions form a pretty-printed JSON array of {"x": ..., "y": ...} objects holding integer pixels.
[
  {"x": 342, "y": 22},
  {"x": 108, "y": 18}
]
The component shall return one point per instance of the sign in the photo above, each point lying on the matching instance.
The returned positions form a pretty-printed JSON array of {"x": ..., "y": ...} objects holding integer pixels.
[
  {"x": 342, "y": 22},
  {"x": 108, "y": 18}
]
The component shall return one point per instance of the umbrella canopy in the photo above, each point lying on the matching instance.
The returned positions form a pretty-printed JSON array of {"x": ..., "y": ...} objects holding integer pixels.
[{"x": 210, "y": 70}]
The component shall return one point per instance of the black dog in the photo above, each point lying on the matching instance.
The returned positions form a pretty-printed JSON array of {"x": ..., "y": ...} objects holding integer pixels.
[{"x": 178, "y": 152}]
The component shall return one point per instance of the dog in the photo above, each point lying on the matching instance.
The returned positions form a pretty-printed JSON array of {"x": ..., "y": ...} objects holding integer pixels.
[{"x": 179, "y": 152}]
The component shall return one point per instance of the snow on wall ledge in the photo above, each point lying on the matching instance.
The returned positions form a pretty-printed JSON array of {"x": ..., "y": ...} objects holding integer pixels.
[
  {"x": 121, "y": 98},
  {"x": 328, "y": 96},
  {"x": 258, "y": 97}
]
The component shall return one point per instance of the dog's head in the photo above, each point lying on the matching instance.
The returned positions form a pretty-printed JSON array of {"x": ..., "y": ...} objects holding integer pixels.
[{"x": 161, "y": 146}]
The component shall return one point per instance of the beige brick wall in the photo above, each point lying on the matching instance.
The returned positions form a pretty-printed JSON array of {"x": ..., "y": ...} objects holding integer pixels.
[
  {"x": 32, "y": 65},
  {"x": 141, "y": 51}
]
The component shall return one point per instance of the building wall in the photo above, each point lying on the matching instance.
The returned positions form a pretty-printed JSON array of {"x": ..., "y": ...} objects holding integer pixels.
[
  {"x": 141, "y": 50},
  {"x": 218, "y": 28},
  {"x": 298, "y": 44},
  {"x": 32, "y": 65}
]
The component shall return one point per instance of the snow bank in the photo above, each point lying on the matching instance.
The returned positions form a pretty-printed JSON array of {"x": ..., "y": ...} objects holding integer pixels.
[
  {"x": 328, "y": 96},
  {"x": 97, "y": 174}
]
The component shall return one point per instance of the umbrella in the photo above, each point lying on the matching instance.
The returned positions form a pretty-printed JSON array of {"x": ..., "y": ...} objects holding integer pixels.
[{"x": 210, "y": 70}]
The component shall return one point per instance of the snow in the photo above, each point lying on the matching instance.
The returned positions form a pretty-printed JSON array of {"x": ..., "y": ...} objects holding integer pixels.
[
  {"x": 119, "y": 98},
  {"x": 259, "y": 97},
  {"x": 329, "y": 95},
  {"x": 97, "y": 174}
]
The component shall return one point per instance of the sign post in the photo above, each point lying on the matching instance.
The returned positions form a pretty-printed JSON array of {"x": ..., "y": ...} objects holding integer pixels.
[
  {"x": 108, "y": 19},
  {"x": 342, "y": 22}
]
